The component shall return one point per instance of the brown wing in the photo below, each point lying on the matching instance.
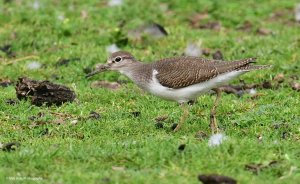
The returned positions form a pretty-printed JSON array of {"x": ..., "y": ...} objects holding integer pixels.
[{"x": 180, "y": 72}]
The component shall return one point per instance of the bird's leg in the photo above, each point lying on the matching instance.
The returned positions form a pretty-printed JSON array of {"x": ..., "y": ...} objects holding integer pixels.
[
  {"x": 184, "y": 107},
  {"x": 213, "y": 122}
]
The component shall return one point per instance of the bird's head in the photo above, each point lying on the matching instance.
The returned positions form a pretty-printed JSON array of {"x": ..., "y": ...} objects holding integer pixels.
[
  {"x": 116, "y": 61},
  {"x": 119, "y": 60}
]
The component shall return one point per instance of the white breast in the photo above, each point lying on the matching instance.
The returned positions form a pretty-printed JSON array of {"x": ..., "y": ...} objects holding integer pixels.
[{"x": 190, "y": 92}]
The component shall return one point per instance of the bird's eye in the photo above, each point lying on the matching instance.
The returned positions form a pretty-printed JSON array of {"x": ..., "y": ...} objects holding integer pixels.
[{"x": 118, "y": 59}]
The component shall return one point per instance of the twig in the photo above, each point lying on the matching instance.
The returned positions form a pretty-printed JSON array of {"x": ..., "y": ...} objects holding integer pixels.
[{"x": 21, "y": 59}]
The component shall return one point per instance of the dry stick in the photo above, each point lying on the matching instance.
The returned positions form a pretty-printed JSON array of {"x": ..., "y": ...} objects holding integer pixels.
[
  {"x": 185, "y": 114},
  {"x": 213, "y": 122},
  {"x": 22, "y": 59}
]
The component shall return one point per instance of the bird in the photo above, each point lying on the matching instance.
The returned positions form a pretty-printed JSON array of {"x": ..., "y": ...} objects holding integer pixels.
[{"x": 181, "y": 79}]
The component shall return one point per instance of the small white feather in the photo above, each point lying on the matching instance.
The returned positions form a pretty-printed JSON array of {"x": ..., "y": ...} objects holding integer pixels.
[
  {"x": 34, "y": 65},
  {"x": 216, "y": 139},
  {"x": 112, "y": 48}
]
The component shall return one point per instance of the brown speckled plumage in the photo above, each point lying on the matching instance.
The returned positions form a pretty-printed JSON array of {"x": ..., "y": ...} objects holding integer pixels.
[{"x": 180, "y": 72}]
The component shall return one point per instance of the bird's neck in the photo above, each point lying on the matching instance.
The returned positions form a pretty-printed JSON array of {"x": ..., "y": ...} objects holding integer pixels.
[
  {"x": 138, "y": 72},
  {"x": 131, "y": 69}
]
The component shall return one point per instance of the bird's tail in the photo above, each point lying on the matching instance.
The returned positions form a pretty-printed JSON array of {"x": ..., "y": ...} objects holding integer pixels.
[{"x": 255, "y": 67}]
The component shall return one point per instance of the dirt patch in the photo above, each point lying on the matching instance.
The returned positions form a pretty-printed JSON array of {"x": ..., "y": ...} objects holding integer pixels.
[
  {"x": 216, "y": 179},
  {"x": 43, "y": 92}
]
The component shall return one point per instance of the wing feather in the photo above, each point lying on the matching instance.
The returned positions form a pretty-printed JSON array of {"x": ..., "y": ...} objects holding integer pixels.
[{"x": 180, "y": 72}]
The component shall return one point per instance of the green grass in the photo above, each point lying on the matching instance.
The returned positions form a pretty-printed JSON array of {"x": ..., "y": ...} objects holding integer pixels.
[{"x": 88, "y": 151}]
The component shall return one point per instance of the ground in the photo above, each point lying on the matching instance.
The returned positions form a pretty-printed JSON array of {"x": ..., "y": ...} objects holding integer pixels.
[{"x": 63, "y": 144}]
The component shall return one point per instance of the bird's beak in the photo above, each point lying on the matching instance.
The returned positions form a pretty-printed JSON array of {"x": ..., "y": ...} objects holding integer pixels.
[{"x": 99, "y": 69}]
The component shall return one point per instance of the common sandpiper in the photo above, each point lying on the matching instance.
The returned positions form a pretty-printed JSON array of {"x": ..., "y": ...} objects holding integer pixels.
[{"x": 180, "y": 79}]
